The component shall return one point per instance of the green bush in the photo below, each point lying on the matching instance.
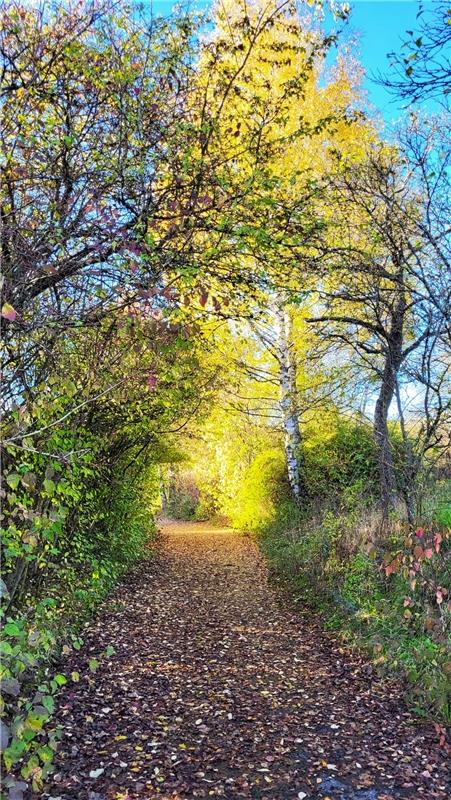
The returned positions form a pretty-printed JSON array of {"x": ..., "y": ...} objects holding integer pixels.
[
  {"x": 347, "y": 457},
  {"x": 264, "y": 492},
  {"x": 184, "y": 496},
  {"x": 83, "y": 533}
]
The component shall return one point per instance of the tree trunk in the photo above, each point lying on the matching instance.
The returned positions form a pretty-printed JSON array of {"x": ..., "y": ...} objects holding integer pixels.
[
  {"x": 410, "y": 476},
  {"x": 393, "y": 360},
  {"x": 386, "y": 466},
  {"x": 288, "y": 400}
]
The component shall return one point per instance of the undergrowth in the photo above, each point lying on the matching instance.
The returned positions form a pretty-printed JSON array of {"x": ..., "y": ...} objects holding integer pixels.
[
  {"x": 113, "y": 529},
  {"x": 400, "y": 619}
]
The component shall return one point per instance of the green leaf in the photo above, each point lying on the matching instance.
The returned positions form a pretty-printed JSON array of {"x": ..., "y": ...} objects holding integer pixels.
[
  {"x": 48, "y": 703},
  {"x": 49, "y": 486},
  {"x": 11, "y": 629},
  {"x": 35, "y": 720},
  {"x": 60, "y": 680},
  {"x": 31, "y": 765},
  {"x": 45, "y": 753},
  {"x": 13, "y": 480},
  {"x": 14, "y": 752}
]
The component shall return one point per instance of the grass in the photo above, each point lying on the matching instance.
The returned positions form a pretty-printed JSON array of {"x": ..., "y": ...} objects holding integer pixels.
[{"x": 355, "y": 598}]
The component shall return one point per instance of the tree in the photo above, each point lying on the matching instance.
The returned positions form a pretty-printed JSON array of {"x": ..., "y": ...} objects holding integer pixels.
[
  {"x": 276, "y": 126},
  {"x": 90, "y": 98},
  {"x": 423, "y": 70},
  {"x": 288, "y": 394},
  {"x": 374, "y": 299}
]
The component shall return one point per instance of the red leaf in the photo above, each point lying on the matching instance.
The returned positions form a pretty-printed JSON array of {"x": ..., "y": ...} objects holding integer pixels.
[
  {"x": 392, "y": 567},
  {"x": 428, "y": 552},
  {"x": 418, "y": 551},
  {"x": 203, "y": 299},
  {"x": 152, "y": 381}
]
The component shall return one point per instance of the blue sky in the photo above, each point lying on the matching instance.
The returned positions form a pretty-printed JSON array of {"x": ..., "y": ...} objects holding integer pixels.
[{"x": 381, "y": 26}]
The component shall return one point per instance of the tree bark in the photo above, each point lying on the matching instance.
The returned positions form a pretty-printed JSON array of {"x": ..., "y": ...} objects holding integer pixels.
[
  {"x": 393, "y": 361},
  {"x": 409, "y": 465},
  {"x": 288, "y": 400},
  {"x": 386, "y": 466}
]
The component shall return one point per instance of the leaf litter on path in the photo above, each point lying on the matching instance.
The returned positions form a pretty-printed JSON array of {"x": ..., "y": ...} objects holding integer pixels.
[{"x": 218, "y": 687}]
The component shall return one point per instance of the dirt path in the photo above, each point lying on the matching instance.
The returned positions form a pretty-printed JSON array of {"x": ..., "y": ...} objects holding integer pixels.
[{"x": 218, "y": 688}]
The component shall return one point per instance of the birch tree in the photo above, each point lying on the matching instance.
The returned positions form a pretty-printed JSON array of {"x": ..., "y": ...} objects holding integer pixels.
[{"x": 287, "y": 374}]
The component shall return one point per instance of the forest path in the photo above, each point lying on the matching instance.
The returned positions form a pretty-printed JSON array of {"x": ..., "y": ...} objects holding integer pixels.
[{"x": 219, "y": 688}]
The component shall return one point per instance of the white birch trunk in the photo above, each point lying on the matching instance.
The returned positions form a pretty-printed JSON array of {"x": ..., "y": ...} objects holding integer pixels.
[{"x": 288, "y": 397}]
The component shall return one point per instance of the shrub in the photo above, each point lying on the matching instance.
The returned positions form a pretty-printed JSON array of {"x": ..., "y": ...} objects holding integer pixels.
[
  {"x": 346, "y": 458},
  {"x": 264, "y": 492},
  {"x": 183, "y": 497},
  {"x": 75, "y": 536}
]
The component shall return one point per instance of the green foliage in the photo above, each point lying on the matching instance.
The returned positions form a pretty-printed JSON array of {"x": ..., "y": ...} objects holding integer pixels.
[
  {"x": 27, "y": 697},
  {"x": 69, "y": 569},
  {"x": 436, "y": 503},
  {"x": 264, "y": 488},
  {"x": 183, "y": 499},
  {"x": 346, "y": 457},
  {"x": 402, "y": 620},
  {"x": 339, "y": 464}
]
